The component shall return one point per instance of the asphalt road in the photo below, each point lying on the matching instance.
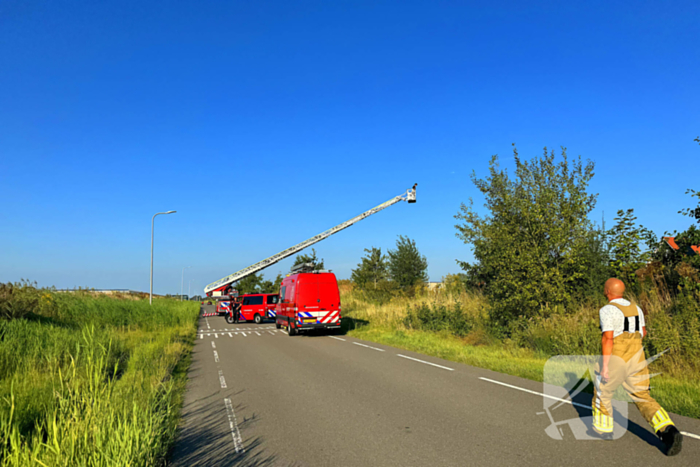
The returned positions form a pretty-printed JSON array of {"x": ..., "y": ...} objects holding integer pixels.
[{"x": 257, "y": 397}]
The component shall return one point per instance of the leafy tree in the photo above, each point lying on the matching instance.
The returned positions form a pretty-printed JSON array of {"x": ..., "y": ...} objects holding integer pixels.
[
  {"x": 249, "y": 284},
  {"x": 255, "y": 283},
  {"x": 268, "y": 286},
  {"x": 531, "y": 247},
  {"x": 371, "y": 270},
  {"x": 631, "y": 245},
  {"x": 407, "y": 268},
  {"x": 693, "y": 213},
  {"x": 312, "y": 258},
  {"x": 681, "y": 269},
  {"x": 596, "y": 258}
]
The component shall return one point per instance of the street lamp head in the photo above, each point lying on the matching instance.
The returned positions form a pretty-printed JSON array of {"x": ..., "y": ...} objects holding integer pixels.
[{"x": 171, "y": 212}]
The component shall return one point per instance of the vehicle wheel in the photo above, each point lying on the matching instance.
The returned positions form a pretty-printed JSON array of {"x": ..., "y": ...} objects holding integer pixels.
[
  {"x": 278, "y": 325},
  {"x": 290, "y": 330},
  {"x": 229, "y": 319},
  {"x": 257, "y": 319}
]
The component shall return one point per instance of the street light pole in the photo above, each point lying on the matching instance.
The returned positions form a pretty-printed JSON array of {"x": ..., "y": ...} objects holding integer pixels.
[
  {"x": 150, "y": 296},
  {"x": 182, "y": 282}
]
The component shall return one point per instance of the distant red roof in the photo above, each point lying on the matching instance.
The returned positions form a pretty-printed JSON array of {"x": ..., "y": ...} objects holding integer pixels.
[{"x": 671, "y": 242}]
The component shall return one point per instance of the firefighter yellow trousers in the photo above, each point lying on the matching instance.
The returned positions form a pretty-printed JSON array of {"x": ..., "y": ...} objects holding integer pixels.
[{"x": 627, "y": 367}]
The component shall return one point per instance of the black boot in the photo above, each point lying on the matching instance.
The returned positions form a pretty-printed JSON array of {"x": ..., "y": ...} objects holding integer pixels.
[
  {"x": 672, "y": 439},
  {"x": 593, "y": 433}
]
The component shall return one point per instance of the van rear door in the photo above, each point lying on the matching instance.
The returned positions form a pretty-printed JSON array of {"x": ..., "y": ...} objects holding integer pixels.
[
  {"x": 317, "y": 296},
  {"x": 328, "y": 299},
  {"x": 307, "y": 298}
]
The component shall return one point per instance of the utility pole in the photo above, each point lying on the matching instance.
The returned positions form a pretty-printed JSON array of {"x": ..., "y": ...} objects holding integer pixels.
[
  {"x": 150, "y": 295},
  {"x": 182, "y": 282}
]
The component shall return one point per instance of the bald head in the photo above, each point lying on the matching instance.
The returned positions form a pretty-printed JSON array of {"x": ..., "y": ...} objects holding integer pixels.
[{"x": 614, "y": 288}]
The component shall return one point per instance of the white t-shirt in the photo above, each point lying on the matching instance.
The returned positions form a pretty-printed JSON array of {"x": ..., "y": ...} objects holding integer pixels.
[{"x": 612, "y": 318}]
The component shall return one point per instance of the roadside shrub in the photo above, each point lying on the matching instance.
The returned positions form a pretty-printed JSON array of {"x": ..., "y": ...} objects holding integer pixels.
[
  {"x": 676, "y": 329},
  {"x": 440, "y": 317},
  {"x": 18, "y": 299},
  {"x": 561, "y": 333}
]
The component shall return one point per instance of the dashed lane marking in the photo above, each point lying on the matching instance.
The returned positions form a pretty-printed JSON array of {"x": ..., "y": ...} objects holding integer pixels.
[
  {"x": 373, "y": 348},
  {"x": 684, "y": 433},
  {"x": 271, "y": 332},
  {"x": 233, "y": 425},
  {"x": 337, "y": 338},
  {"x": 213, "y": 345},
  {"x": 216, "y": 335},
  {"x": 256, "y": 332},
  {"x": 535, "y": 393},
  {"x": 222, "y": 380},
  {"x": 230, "y": 335},
  {"x": 201, "y": 336},
  {"x": 427, "y": 363},
  {"x": 216, "y": 356},
  {"x": 207, "y": 320},
  {"x": 244, "y": 334}
]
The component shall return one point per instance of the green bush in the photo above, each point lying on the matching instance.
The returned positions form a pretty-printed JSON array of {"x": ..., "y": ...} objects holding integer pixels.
[
  {"x": 439, "y": 317},
  {"x": 561, "y": 334},
  {"x": 678, "y": 330},
  {"x": 18, "y": 299}
]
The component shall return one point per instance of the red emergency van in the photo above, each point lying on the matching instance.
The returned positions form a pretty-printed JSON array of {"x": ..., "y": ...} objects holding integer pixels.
[
  {"x": 255, "y": 307},
  {"x": 308, "y": 300}
]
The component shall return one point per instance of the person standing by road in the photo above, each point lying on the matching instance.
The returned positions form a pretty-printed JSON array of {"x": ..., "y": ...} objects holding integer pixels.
[{"x": 624, "y": 363}]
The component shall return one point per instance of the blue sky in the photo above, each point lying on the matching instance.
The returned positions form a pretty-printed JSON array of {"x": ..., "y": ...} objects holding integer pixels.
[{"x": 263, "y": 123}]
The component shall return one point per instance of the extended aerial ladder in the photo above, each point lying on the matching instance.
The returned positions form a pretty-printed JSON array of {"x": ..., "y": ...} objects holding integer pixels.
[{"x": 223, "y": 284}]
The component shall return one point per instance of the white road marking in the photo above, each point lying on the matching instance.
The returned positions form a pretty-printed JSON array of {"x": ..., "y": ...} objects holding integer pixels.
[
  {"x": 337, "y": 338},
  {"x": 256, "y": 332},
  {"x": 216, "y": 335},
  {"x": 216, "y": 355},
  {"x": 536, "y": 393},
  {"x": 233, "y": 425},
  {"x": 427, "y": 363},
  {"x": 213, "y": 345},
  {"x": 201, "y": 336},
  {"x": 684, "y": 433},
  {"x": 244, "y": 334},
  {"x": 373, "y": 348},
  {"x": 230, "y": 335},
  {"x": 207, "y": 320},
  {"x": 222, "y": 380},
  {"x": 271, "y": 332}
]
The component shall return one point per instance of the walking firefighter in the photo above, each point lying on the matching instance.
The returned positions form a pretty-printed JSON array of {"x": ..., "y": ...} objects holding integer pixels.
[{"x": 624, "y": 363}]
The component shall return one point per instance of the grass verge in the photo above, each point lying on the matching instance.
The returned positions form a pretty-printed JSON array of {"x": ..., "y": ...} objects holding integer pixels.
[{"x": 93, "y": 381}]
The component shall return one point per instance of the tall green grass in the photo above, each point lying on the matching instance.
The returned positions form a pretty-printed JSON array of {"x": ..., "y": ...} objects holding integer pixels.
[{"x": 93, "y": 381}]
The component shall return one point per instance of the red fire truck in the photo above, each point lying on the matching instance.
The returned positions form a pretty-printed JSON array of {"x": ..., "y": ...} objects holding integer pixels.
[
  {"x": 308, "y": 300},
  {"x": 254, "y": 307}
]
